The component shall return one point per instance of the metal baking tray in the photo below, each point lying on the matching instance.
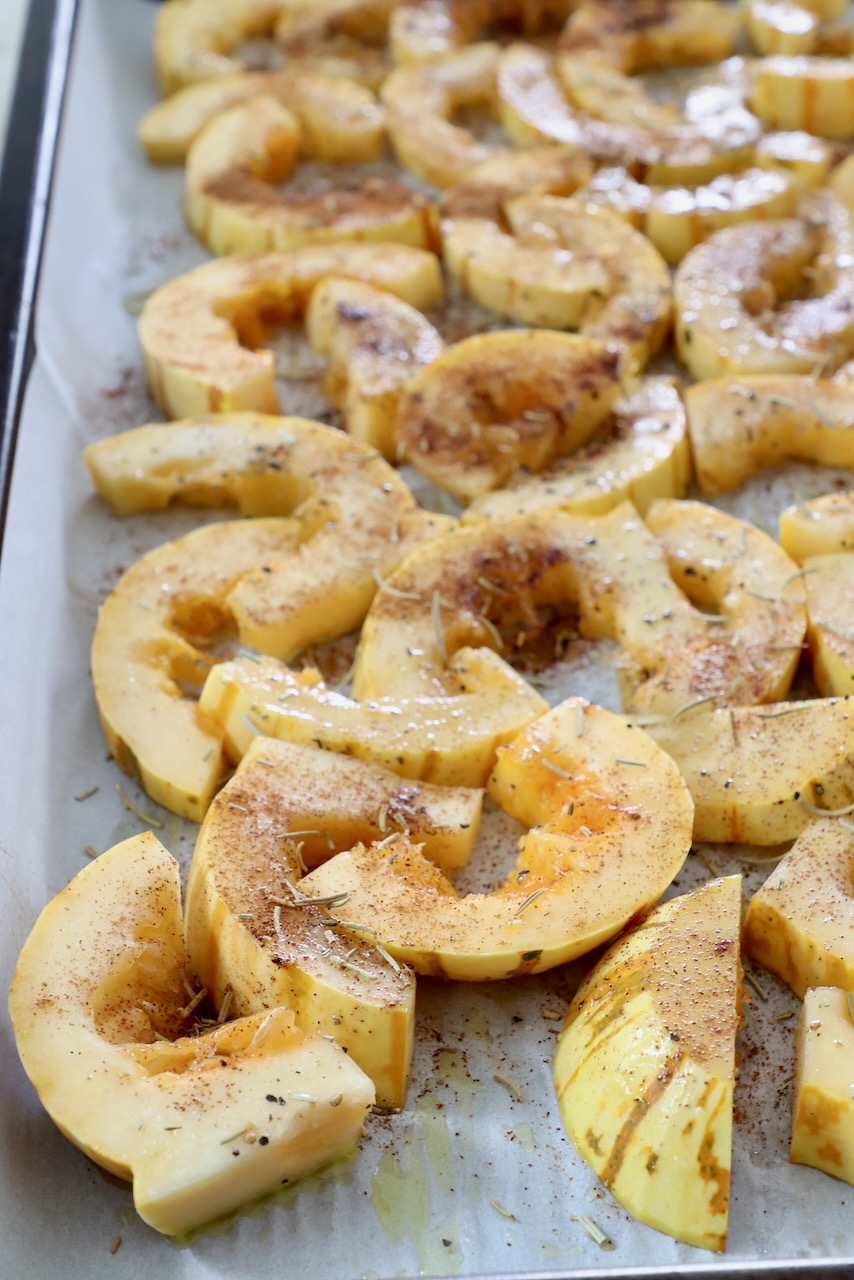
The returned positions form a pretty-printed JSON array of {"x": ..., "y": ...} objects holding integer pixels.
[{"x": 424, "y": 1193}]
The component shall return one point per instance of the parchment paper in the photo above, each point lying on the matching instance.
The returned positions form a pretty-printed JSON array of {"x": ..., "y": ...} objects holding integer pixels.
[{"x": 425, "y": 1192}]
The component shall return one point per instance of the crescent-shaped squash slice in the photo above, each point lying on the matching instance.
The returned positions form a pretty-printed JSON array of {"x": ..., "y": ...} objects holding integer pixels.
[
  {"x": 566, "y": 264},
  {"x": 277, "y": 584},
  {"x": 819, "y": 527},
  {"x": 497, "y": 402},
  {"x": 829, "y": 582},
  {"x": 800, "y": 923},
  {"x": 195, "y": 39},
  {"x": 353, "y": 517},
  {"x": 646, "y": 586},
  {"x": 156, "y": 636},
  {"x": 738, "y": 426},
  {"x": 234, "y": 203},
  {"x": 791, "y": 26},
  {"x": 339, "y": 120},
  {"x": 610, "y": 826},
  {"x": 375, "y": 343},
  {"x": 641, "y": 454},
  {"x": 639, "y": 36},
  {"x": 449, "y": 739},
  {"x": 199, "y": 331},
  {"x": 811, "y": 93},
  {"x": 103, "y": 1021},
  {"x": 769, "y": 297},
  {"x": 717, "y": 136},
  {"x": 251, "y": 931},
  {"x": 645, "y": 1064},
  {"x": 425, "y": 32},
  {"x": 758, "y": 774},
  {"x": 822, "y": 1105},
  {"x": 420, "y": 102}
]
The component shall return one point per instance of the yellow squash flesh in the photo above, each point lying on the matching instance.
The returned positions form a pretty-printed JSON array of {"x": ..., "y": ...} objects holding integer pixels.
[
  {"x": 201, "y": 1124},
  {"x": 800, "y": 923},
  {"x": 643, "y": 455},
  {"x": 450, "y": 738},
  {"x": 769, "y": 297},
  {"x": 565, "y": 264},
  {"x": 339, "y": 120},
  {"x": 250, "y": 933},
  {"x": 154, "y": 637},
  {"x": 168, "y": 619},
  {"x": 754, "y": 770},
  {"x": 234, "y": 201},
  {"x": 196, "y": 39},
  {"x": 739, "y": 426},
  {"x": 610, "y": 827},
  {"x": 645, "y": 1064},
  {"x": 199, "y": 332},
  {"x": 499, "y": 402},
  {"x": 420, "y": 102},
  {"x": 376, "y": 344},
  {"x": 829, "y": 582},
  {"x": 820, "y": 527},
  {"x": 646, "y": 586},
  {"x": 823, "y": 1107}
]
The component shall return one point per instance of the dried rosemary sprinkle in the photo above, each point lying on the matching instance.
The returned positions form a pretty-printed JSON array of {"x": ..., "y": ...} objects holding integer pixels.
[
  {"x": 382, "y": 585},
  {"x": 135, "y": 809},
  {"x": 509, "y": 1085},
  {"x": 553, "y": 1015},
  {"x": 757, "y": 986},
  {"x": 636, "y": 764},
  {"x": 850, "y": 1005},
  {"x": 505, "y": 1213},
  {"x": 388, "y": 957},
  {"x": 595, "y": 1232},
  {"x": 436, "y": 611},
  {"x": 90, "y": 851},
  {"x": 775, "y": 715},
  {"x": 526, "y": 902},
  {"x": 784, "y": 1016},
  {"x": 241, "y": 808},
  {"x": 801, "y": 573},
  {"x": 579, "y": 720},
  {"x": 299, "y": 835},
  {"x": 555, "y": 768},
  {"x": 842, "y": 822},
  {"x": 193, "y": 1004},
  {"x": 85, "y": 795},
  {"x": 354, "y": 968},
  {"x": 224, "y": 1008},
  {"x": 826, "y": 813},
  {"x": 692, "y": 705}
]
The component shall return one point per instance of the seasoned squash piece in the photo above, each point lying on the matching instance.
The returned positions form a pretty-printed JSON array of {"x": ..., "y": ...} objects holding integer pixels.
[
  {"x": 262, "y": 580},
  {"x": 497, "y": 402},
  {"x": 641, "y": 455},
  {"x": 199, "y": 331},
  {"x": 758, "y": 774},
  {"x": 450, "y": 738},
  {"x": 249, "y": 929},
  {"x": 606, "y": 839},
  {"x": 233, "y": 205},
  {"x": 645, "y": 1064},
  {"x": 201, "y": 1123},
  {"x": 800, "y": 923},
  {"x": 647, "y": 586},
  {"x": 822, "y": 1106}
]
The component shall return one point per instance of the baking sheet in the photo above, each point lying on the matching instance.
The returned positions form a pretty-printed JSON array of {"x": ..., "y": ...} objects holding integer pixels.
[{"x": 425, "y": 1193}]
